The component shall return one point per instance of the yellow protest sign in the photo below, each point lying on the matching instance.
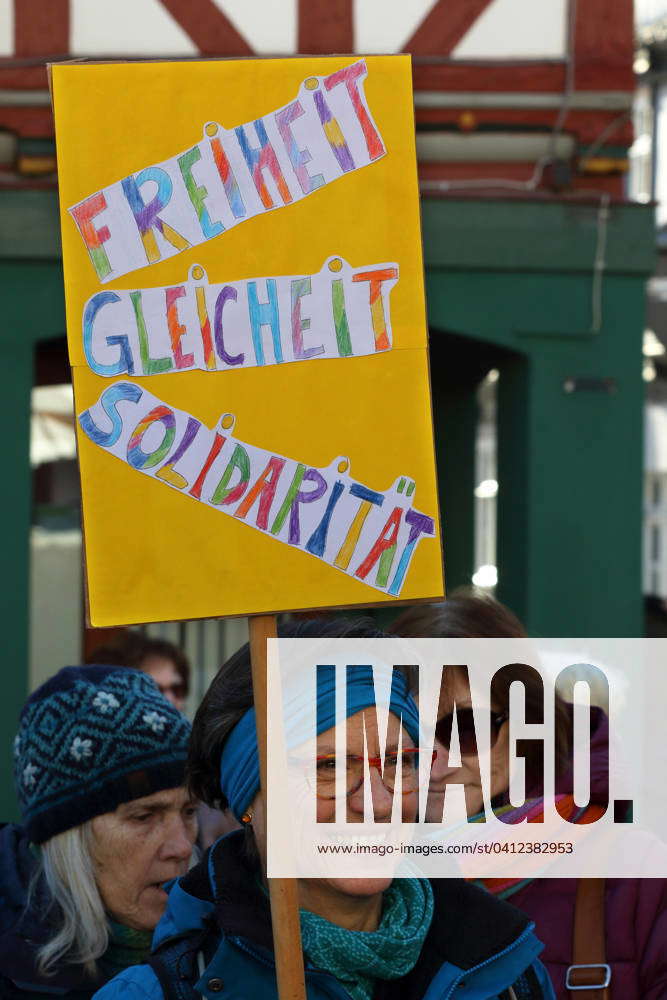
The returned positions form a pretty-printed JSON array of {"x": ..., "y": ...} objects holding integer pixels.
[{"x": 246, "y": 326}]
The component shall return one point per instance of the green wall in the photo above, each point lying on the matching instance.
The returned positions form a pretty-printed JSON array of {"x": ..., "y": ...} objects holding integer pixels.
[
  {"x": 31, "y": 292},
  {"x": 515, "y": 280},
  {"x": 509, "y": 285}
]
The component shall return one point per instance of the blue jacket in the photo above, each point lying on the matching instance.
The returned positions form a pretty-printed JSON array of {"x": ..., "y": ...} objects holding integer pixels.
[{"x": 476, "y": 948}]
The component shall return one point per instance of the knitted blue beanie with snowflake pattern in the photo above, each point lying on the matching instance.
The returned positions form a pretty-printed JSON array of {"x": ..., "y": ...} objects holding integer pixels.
[{"x": 91, "y": 738}]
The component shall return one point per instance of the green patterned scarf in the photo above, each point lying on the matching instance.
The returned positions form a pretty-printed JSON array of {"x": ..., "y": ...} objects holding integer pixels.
[
  {"x": 126, "y": 947},
  {"x": 358, "y": 958}
]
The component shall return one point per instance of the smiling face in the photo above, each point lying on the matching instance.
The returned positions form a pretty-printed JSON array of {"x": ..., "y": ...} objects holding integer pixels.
[
  {"x": 355, "y": 903},
  {"x": 139, "y": 846},
  {"x": 382, "y": 797},
  {"x": 468, "y": 774}
]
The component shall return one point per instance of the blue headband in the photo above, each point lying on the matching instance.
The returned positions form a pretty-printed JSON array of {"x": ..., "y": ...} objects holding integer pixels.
[{"x": 239, "y": 763}]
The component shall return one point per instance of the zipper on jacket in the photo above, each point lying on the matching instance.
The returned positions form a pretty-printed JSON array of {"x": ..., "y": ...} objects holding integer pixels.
[
  {"x": 488, "y": 961},
  {"x": 244, "y": 946}
]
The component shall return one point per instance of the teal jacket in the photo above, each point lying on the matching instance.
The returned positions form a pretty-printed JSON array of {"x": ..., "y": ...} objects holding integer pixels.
[{"x": 215, "y": 937}]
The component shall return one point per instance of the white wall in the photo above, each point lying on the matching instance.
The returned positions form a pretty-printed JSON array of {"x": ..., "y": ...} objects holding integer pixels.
[
  {"x": 517, "y": 29},
  {"x": 507, "y": 29},
  {"x": 55, "y": 602}
]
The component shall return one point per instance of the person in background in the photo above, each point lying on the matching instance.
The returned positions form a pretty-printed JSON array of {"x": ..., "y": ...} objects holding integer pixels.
[
  {"x": 166, "y": 663},
  {"x": 632, "y": 911},
  {"x": 363, "y": 938},
  {"x": 169, "y": 667},
  {"x": 99, "y": 767}
]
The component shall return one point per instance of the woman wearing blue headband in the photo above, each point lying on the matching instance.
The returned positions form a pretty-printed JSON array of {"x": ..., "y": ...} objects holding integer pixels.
[{"x": 363, "y": 938}]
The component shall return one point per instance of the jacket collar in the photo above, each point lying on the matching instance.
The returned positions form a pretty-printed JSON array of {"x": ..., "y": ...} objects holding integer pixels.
[
  {"x": 458, "y": 907},
  {"x": 225, "y": 886}
]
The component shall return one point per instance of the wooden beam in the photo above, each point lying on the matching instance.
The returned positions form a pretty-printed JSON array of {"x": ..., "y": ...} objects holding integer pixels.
[
  {"x": 586, "y": 125},
  {"x": 462, "y": 170},
  {"x": 521, "y": 171},
  {"x": 498, "y": 76},
  {"x": 604, "y": 45},
  {"x": 26, "y": 122},
  {"x": 210, "y": 30},
  {"x": 14, "y": 77},
  {"x": 325, "y": 26},
  {"x": 283, "y": 892},
  {"x": 444, "y": 27},
  {"x": 41, "y": 29}
]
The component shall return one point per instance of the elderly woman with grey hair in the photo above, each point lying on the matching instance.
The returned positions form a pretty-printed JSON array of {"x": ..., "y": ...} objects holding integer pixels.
[{"x": 99, "y": 764}]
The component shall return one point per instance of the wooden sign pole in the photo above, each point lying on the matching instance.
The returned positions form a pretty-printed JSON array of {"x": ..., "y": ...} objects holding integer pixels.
[{"x": 283, "y": 892}]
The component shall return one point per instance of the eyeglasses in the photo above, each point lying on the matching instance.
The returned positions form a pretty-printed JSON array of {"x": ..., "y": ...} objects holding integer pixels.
[
  {"x": 465, "y": 721},
  {"x": 405, "y": 764}
]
